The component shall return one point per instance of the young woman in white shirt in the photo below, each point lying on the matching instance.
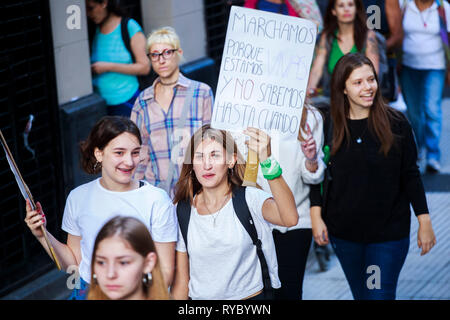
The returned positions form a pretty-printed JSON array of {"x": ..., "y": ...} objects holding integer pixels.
[
  {"x": 220, "y": 261},
  {"x": 112, "y": 148}
]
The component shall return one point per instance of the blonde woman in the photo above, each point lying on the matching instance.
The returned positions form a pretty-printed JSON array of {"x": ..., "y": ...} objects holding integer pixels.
[{"x": 169, "y": 112}]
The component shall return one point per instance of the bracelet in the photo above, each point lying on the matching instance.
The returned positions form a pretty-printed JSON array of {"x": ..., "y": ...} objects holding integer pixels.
[{"x": 271, "y": 168}]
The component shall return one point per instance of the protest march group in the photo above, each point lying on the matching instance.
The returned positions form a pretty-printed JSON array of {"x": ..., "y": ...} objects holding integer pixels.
[{"x": 219, "y": 196}]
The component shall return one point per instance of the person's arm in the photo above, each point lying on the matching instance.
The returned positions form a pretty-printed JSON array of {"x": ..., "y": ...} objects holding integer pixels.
[
  {"x": 180, "y": 288},
  {"x": 166, "y": 255},
  {"x": 372, "y": 49},
  {"x": 312, "y": 168},
  {"x": 412, "y": 181},
  {"x": 281, "y": 209},
  {"x": 317, "y": 67},
  {"x": 140, "y": 67},
  {"x": 319, "y": 229},
  {"x": 67, "y": 254},
  {"x": 394, "y": 18}
]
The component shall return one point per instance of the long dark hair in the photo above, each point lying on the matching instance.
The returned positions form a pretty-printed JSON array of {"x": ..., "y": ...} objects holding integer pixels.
[
  {"x": 380, "y": 116},
  {"x": 113, "y": 6},
  {"x": 136, "y": 234},
  {"x": 105, "y": 130},
  {"x": 188, "y": 186},
  {"x": 330, "y": 24}
]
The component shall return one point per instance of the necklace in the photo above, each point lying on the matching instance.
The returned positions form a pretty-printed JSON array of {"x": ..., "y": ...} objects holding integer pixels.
[
  {"x": 209, "y": 211},
  {"x": 422, "y": 17},
  {"x": 359, "y": 138},
  {"x": 168, "y": 84}
]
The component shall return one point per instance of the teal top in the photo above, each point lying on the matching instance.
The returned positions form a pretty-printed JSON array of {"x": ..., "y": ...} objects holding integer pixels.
[{"x": 115, "y": 88}]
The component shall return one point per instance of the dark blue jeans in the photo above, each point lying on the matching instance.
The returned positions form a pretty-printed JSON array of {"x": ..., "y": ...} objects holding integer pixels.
[
  {"x": 123, "y": 109},
  {"x": 371, "y": 269}
]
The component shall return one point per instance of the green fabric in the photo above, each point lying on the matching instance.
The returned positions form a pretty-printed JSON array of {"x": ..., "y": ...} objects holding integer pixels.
[
  {"x": 336, "y": 53},
  {"x": 271, "y": 169}
]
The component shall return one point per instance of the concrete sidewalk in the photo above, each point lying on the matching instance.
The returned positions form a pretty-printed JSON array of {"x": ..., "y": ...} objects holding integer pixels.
[{"x": 422, "y": 277}]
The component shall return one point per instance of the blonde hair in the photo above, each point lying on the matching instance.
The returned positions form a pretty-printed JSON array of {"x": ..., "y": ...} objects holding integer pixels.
[{"x": 165, "y": 35}]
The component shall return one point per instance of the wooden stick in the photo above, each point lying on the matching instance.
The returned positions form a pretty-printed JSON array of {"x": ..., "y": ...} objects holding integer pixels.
[{"x": 28, "y": 194}]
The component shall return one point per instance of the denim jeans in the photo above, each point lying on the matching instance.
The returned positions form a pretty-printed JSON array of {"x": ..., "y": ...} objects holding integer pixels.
[
  {"x": 371, "y": 269},
  {"x": 123, "y": 109},
  {"x": 422, "y": 91}
]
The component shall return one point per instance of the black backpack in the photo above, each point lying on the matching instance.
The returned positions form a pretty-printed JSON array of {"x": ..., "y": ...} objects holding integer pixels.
[
  {"x": 241, "y": 208},
  {"x": 148, "y": 79}
]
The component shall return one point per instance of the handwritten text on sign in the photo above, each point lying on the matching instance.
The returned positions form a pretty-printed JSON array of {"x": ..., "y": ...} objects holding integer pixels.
[{"x": 264, "y": 72}]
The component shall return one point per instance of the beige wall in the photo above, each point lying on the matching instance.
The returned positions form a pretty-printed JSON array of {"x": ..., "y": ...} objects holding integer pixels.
[
  {"x": 186, "y": 16},
  {"x": 71, "y": 50}
]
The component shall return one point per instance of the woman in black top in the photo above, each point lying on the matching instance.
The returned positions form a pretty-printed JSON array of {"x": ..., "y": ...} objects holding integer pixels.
[{"x": 371, "y": 180}]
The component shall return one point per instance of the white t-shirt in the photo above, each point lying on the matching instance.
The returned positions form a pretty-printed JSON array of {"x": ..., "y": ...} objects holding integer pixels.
[
  {"x": 292, "y": 161},
  {"x": 90, "y": 206},
  {"x": 422, "y": 46},
  {"x": 223, "y": 263}
]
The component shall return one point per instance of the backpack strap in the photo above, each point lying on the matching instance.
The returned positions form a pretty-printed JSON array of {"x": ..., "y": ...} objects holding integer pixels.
[
  {"x": 243, "y": 213},
  {"x": 184, "y": 215},
  {"x": 126, "y": 36}
]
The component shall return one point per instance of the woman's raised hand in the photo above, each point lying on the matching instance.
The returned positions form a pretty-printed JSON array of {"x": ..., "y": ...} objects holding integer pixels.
[
  {"x": 35, "y": 219},
  {"x": 259, "y": 142},
  {"x": 309, "y": 147}
]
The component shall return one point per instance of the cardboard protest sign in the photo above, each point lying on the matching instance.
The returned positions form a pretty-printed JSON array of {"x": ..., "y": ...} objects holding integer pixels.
[
  {"x": 263, "y": 77},
  {"x": 264, "y": 72}
]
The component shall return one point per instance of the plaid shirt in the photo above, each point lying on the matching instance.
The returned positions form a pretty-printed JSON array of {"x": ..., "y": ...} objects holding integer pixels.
[{"x": 157, "y": 128}]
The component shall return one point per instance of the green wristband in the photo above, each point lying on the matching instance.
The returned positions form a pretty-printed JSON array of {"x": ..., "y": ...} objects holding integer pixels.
[{"x": 271, "y": 168}]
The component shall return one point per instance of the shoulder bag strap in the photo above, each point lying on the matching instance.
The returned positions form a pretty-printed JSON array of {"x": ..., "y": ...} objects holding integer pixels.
[
  {"x": 243, "y": 213},
  {"x": 443, "y": 29},
  {"x": 125, "y": 35},
  {"x": 184, "y": 215}
]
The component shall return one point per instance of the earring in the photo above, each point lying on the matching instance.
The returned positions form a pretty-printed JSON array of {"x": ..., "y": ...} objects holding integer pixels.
[
  {"x": 94, "y": 276},
  {"x": 97, "y": 164},
  {"x": 147, "y": 279}
]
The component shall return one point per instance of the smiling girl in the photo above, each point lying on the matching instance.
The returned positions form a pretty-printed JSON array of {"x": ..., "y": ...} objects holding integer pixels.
[
  {"x": 112, "y": 148},
  {"x": 370, "y": 182}
]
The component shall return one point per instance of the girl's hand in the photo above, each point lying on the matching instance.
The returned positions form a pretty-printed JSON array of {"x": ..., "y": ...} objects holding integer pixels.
[
  {"x": 259, "y": 142},
  {"x": 100, "y": 67},
  {"x": 35, "y": 219},
  {"x": 309, "y": 147},
  {"x": 319, "y": 230},
  {"x": 425, "y": 235}
]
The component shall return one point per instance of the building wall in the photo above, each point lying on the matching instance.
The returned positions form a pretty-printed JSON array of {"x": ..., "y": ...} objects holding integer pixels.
[
  {"x": 187, "y": 17},
  {"x": 71, "y": 49}
]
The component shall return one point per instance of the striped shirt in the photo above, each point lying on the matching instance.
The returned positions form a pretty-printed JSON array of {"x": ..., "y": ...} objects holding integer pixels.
[{"x": 157, "y": 128}]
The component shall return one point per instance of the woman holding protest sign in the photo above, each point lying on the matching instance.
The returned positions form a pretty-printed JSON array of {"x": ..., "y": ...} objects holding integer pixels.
[
  {"x": 345, "y": 31},
  {"x": 370, "y": 181},
  {"x": 125, "y": 265},
  {"x": 112, "y": 149},
  {"x": 216, "y": 258}
]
